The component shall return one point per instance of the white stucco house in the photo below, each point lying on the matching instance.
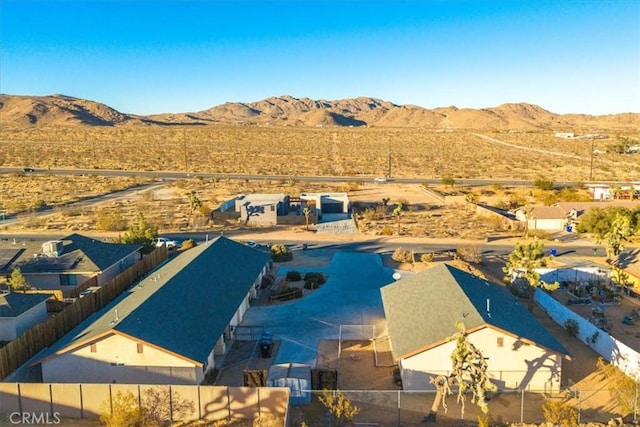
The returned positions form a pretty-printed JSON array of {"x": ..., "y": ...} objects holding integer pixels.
[
  {"x": 170, "y": 327},
  {"x": 422, "y": 312},
  {"x": 20, "y": 312}
]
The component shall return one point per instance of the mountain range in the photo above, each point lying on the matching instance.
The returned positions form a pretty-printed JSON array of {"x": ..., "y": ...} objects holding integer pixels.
[{"x": 18, "y": 111}]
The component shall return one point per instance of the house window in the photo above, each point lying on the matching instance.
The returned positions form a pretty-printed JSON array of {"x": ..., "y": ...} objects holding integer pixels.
[
  {"x": 117, "y": 364},
  {"x": 500, "y": 342},
  {"x": 68, "y": 280},
  {"x": 273, "y": 208},
  {"x": 140, "y": 348},
  {"x": 94, "y": 348}
]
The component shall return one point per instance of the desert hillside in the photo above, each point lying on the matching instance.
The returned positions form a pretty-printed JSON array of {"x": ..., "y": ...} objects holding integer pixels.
[{"x": 58, "y": 110}]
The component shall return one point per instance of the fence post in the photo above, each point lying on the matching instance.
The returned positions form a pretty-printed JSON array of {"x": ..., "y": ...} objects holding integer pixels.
[
  {"x": 228, "y": 403},
  {"x": 81, "y": 401},
  {"x": 259, "y": 403},
  {"x": 399, "y": 408},
  {"x": 170, "y": 405},
  {"x": 522, "y": 406}
]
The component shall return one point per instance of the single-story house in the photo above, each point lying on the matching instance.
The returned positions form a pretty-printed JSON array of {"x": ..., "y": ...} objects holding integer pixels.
[
  {"x": 67, "y": 263},
  {"x": 328, "y": 203},
  {"x": 20, "y": 312},
  {"x": 422, "y": 312},
  {"x": 629, "y": 191},
  {"x": 170, "y": 327},
  {"x": 261, "y": 209},
  {"x": 563, "y": 214}
]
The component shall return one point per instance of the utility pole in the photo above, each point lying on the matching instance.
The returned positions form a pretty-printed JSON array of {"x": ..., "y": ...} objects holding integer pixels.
[
  {"x": 186, "y": 154},
  {"x": 389, "y": 160},
  {"x": 593, "y": 141}
]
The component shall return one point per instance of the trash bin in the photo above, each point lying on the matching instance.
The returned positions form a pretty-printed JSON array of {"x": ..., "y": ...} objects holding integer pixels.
[
  {"x": 569, "y": 228},
  {"x": 553, "y": 252},
  {"x": 266, "y": 344}
]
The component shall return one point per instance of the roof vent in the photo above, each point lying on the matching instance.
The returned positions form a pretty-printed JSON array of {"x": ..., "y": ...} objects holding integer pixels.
[{"x": 52, "y": 248}]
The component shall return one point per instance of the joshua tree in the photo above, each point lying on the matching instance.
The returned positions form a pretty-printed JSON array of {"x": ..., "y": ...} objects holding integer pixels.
[
  {"x": 306, "y": 212},
  {"x": 468, "y": 373},
  {"x": 397, "y": 212},
  {"x": 522, "y": 263}
]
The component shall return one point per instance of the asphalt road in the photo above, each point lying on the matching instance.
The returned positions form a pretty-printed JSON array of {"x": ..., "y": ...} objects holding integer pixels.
[
  {"x": 373, "y": 245},
  {"x": 366, "y": 179}
]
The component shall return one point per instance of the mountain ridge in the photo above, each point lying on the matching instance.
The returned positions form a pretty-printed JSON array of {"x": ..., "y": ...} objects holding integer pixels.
[{"x": 20, "y": 111}]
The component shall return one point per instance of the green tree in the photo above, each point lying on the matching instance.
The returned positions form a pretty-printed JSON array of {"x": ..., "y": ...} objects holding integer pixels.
[
  {"x": 468, "y": 372},
  {"x": 521, "y": 265},
  {"x": 17, "y": 281},
  {"x": 619, "y": 233},
  {"x": 385, "y": 201},
  {"x": 141, "y": 233},
  {"x": 194, "y": 204}
]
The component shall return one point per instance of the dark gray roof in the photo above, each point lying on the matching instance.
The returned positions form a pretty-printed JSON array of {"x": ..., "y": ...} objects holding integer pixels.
[
  {"x": 422, "y": 310},
  {"x": 185, "y": 305},
  {"x": 80, "y": 254},
  {"x": 14, "y": 304}
]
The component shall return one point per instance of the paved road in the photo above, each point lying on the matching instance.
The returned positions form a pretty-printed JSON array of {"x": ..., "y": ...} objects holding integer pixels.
[{"x": 239, "y": 176}]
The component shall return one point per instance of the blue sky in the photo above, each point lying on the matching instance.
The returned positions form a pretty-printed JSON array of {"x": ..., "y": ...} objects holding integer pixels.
[{"x": 148, "y": 57}]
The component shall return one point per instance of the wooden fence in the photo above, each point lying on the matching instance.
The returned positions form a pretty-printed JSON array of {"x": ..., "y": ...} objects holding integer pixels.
[
  {"x": 45, "y": 334},
  {"x": 74, "y": 401}
]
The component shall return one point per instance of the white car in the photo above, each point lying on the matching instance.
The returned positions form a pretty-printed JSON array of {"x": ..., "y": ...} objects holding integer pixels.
[
  {"x": 163, "y": 241},
  {"x": 380, "y": 179}
]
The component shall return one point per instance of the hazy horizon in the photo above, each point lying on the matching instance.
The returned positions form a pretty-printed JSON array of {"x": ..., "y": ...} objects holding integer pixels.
[{"x": 149, "y": 57}]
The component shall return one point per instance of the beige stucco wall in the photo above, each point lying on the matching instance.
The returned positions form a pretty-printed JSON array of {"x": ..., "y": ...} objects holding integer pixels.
[
  {"x": 12, "y": 327},
  {"x": 512, "y": 366},
  {"x": 547, "y": 224},
  {"x": 152, "y": 366}
]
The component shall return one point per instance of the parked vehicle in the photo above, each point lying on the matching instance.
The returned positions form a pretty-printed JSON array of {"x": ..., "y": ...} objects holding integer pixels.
[{"x": 163, "y": 241}]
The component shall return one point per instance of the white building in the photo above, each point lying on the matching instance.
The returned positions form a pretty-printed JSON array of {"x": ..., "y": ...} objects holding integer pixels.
[
  {"x": 422, "y": 312},
  {"x": 170, "y": 327}
]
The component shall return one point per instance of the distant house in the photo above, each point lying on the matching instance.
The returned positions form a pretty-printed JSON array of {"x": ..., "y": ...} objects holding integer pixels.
[
  {"x": 20, "y": 312},
  {"x": 261, "y": 209},
  {"x": 328, "y": 203},
  {"x": 169, "y": 328},
  {"x": 422, "y": 311},
  {"x": 68, "y": 263},
  {"x": 627, "y": 191},
  {"x": 565, "y": 214},
  {"x": 564, "y": 135}
]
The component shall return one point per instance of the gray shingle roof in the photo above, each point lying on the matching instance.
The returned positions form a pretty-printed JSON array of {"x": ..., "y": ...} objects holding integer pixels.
[
  {"x": 184, "y": 306},
  {"x": 80, "y": 254},
  {"x": 422, "y": 310},
  {"x": 14, "y": 304}
]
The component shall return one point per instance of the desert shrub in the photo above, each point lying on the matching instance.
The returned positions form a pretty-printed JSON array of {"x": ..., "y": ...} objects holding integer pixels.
[
  {"x": 188, "y": 244},
  {"x": 572, "y": 327},
  {"x": 314, "y": 280},
  {"x": 110, "y": 221},
  {"x": 470, "y": 253},
  {"x": 341, "y": 409},
  {"x": 540, "y": 234},
  {"x": 402, "y": 255},
  {"x": 543, "y": 184},
  {"x": 426, "y": 258},
  {"x": 160, "y": 406},
  {"x": 293, "y": 276},
  {"x": 280, "y": 253},
  {"x": 122, "y": 411},
  {"x": 387, "y": 231},
  {"x": 560, "y": 413}
]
